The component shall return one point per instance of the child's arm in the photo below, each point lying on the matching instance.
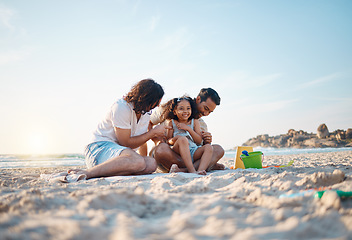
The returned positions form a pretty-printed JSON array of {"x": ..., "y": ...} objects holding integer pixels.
[{"x": 196, "y": 133}]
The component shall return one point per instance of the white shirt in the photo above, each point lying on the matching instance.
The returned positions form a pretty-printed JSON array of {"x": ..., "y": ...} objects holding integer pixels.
[{"x": 121, "y": 115}]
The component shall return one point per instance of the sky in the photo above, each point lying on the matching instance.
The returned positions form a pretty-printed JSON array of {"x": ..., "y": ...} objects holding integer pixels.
[{"x": 277, "y": 65}]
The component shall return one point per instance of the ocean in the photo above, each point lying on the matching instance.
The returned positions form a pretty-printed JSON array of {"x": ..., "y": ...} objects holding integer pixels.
[
  {"x": 71, "y": 160},
  {"x": 50, "y": 160}
]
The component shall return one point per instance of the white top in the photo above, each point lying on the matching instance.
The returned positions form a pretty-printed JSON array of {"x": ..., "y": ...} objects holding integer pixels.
[
  {"x": 156, "y": 119},
  {"x": 121, "y": 115}
]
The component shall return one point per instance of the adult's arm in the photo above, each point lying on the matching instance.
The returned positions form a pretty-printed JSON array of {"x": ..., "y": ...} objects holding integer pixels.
[
  {"x": 155, "y": 118},
  {"x": 124, "y": 136},
  {"x": 206, "y": 136},
  {"x": 159, "y": 139},
  {"x": 170, "y": 132}
]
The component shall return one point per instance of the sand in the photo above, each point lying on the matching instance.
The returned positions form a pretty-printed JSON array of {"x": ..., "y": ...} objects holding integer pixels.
[{"x": 229, "y": 204}]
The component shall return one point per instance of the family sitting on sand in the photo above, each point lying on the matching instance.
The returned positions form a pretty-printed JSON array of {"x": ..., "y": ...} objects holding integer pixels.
[{"x": 183, "y": 144}]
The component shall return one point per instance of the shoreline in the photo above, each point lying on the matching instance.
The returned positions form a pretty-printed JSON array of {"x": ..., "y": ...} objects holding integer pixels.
[
  {"x": 45, "y": 161},
  {"x": 229, "y": 204}
]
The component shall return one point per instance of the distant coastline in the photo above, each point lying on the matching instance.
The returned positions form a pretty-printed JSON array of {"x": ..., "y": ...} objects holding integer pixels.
[{"x": 301, "y": 139}]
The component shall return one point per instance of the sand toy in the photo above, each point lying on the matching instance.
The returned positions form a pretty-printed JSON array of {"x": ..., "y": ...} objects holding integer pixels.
[
  {"x": 252, "y": 159},
  {"x": 281, "y": 166}
]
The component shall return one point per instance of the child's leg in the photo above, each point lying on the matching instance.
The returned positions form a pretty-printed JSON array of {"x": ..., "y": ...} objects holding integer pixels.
[
  {"x": 181, "y": 147},
  {"x": 204, "y": 153}
]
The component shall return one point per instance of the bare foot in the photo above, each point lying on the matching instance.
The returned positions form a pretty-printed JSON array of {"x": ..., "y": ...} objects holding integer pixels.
[
  {"x": 78, "y": 171},
  {"x": 218, "y": 166},
  {"x": 202, "y": 172},
  {"x": 174, "y": 168}
]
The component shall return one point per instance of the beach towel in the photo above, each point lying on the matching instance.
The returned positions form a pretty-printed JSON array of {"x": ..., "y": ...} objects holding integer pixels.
[{"x": 63, "y": 177}]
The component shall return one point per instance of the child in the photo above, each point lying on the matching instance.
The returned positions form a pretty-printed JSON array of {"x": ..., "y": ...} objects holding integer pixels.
[{"x": 185, "y": 135}]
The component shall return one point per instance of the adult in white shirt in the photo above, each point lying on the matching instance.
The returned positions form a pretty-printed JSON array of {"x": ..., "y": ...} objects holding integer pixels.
[
  {"x": 206, "y": 102},
  {"x": 118, "y": 146}
]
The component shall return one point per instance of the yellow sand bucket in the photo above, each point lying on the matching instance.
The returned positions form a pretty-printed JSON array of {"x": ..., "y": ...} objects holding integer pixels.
[
  {"x": 253, "y": 160},
  {"x": 239, "y": 150}
]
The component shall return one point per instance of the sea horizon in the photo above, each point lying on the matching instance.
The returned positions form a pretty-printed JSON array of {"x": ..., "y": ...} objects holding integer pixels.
[{"x": 77, "y": 159}]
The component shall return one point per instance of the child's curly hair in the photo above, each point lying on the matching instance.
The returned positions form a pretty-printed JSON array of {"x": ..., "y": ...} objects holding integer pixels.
[{"x": 169, "y": 107}]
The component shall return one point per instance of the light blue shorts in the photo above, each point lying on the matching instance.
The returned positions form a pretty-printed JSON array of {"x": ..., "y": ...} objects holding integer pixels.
[
  {"x": 192, "y": 151},
  {"x": 98, "y": 152}
]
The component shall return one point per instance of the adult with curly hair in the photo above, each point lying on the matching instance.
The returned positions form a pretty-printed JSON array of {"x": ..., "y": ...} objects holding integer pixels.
[{"x": 114, "y": 149}]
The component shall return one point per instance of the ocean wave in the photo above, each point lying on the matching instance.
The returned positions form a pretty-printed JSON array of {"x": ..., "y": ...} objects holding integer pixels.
[{"x": 49, "y": 160}]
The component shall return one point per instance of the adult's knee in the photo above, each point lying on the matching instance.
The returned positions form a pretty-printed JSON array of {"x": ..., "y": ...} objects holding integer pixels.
[
  {"x": 140, "y": 164},
  {"x": 218, "y": 151},
  {"x": 137, "y": 161},
  {"x": 151, "y": 165},
  {"x": 161, "y": 150},
  {"x": 208, "y": 149}
]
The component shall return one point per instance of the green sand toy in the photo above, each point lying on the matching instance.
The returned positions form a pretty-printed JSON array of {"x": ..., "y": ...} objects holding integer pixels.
[
  {"x": 340, "y": 193},
  {"x": 252, "y": 159}
]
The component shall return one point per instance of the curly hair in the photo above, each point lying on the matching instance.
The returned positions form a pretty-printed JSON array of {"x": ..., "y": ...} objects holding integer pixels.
[
  {"x": 170, "y": 106},
  {"x": 145, "y": 95}
]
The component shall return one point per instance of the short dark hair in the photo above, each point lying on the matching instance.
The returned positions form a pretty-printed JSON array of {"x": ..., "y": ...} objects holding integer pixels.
[
  {"x": 206, "y": 93},
  {"x": 145, "y": 95}
]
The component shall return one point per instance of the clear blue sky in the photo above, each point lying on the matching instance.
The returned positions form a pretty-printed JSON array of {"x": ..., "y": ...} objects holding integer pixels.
[{"x": 275, "y": 64}]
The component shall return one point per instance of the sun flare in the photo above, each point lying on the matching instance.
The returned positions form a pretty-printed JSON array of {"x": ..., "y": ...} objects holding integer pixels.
[{"x": 37, "y": 143}]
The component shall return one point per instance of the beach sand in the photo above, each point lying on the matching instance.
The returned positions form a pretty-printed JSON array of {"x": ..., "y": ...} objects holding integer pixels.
[{"x": 229, "y": 204}]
